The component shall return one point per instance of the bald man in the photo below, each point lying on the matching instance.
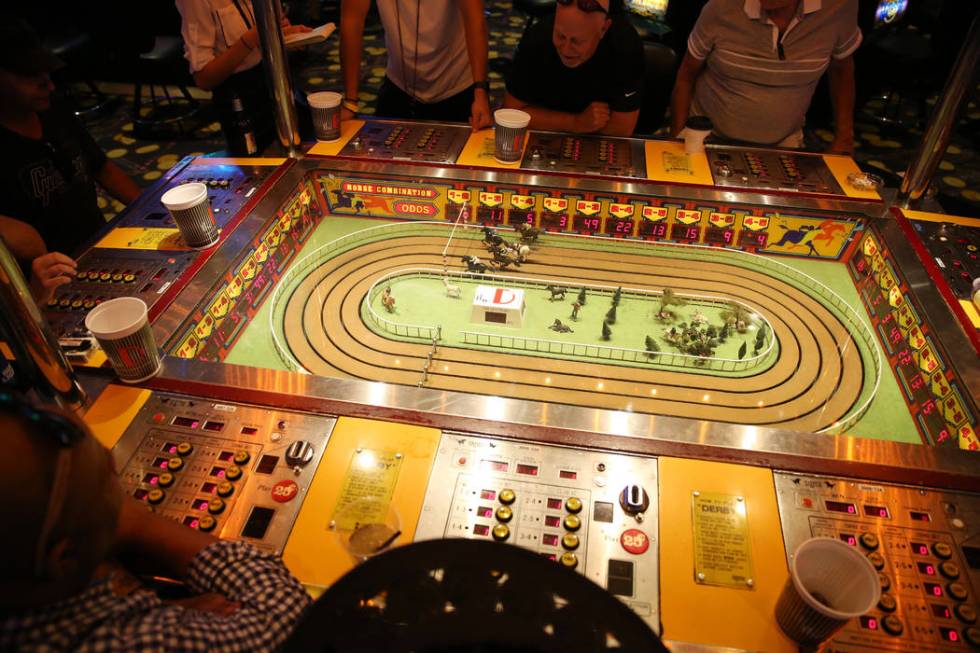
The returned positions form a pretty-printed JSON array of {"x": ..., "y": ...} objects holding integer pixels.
[
  {"x": 60, "y": 588},
  {"x": 579, "y": 71}
]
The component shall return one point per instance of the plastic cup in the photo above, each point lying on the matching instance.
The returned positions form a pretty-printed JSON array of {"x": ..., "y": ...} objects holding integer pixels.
[
  {"x": 376, "y": 526},
  {"x": 123, "y": 330},
  {"x": 829, "y": 584},
  {"x": 188, "y": 205},
  {"x": 510, "y": 125},
  {"x": 325, "y": 107}
]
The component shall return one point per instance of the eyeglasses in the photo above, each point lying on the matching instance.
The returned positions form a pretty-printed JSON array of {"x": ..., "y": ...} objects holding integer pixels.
[
  {"x": 585, "y": 5},
  {"x": 66, "y": 434}
]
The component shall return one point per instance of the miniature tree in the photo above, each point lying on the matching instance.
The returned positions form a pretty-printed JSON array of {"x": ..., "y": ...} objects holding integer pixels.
[
  {"x": 668, "y": 298},
  {"x": 617, "y": 296},
  {"x": 712, "y": 332},
  {"x": 653, "y": 349},
  {"x": 606, "y": 331},
  {"x": 742, "y": 350},
  {"x": 760, "y": 338},
  {"x": 737, "y": 316},
  {"x": 581, "y": 297},
  {"x": 611, "y": 315}
]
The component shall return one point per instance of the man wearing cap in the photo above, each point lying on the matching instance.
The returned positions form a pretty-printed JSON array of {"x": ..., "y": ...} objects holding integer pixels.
[
  {"x": 50, "y": 163},
  {"x": 580, "y": 70},
  {"x": 752, "y": 65}
]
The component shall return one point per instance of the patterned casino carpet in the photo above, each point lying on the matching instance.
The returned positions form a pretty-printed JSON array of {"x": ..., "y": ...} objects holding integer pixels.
[{"x": 881, "y": 149}]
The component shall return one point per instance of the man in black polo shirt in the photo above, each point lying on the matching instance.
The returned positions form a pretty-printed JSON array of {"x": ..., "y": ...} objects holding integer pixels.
[
  {"x": 580, "y": 70},
  {"x": 50, "y": 163}
]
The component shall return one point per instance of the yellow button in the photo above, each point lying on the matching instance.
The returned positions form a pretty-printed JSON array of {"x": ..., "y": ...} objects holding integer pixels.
[
  {"x": 966, "y": 613},
  {"x": 877, "y": 560},
  {"x": 957, "y": 591},
  {"x": 572, "y": 523},
  {"x": 129, "y": 278},
  {"x": 206, "y": 523},
  {"x": 242, "y": 457},
  {"x": 507, "y": 497},
  {"x": 573, "y": 505},
  {"x": 504, "y": 514},
  {"x": 569, "y": 541},
  {"x": 155, "y": 496},
  {"x": 569, "y": 560},
  {"x": 184, "y": 448},
  {"x": 225, "y": 489},
  {"x": 950, "y": 570},
  {"x": 216, "y": 506},
  {"x": 165, "y": 479},
  {"x": 233, "y": 473},
  {"x": 869, "y": 541},
  {"x": 887, "y": 603},
  {"x": 942, "y": 550},
  {"x": 175, "y": 464},
  {"x": 500, "y": 532}
]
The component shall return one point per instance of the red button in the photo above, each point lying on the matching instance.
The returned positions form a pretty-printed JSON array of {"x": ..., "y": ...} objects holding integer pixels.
[
  {"x": 635, "y": 541},
  {"x": 159, "y": 418},
  {"x": 284, "y": 491}
]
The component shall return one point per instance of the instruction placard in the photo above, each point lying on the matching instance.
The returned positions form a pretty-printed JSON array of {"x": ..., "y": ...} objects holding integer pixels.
[
  {"x": 721, "y": 540},
  {"x": 367, "y": 489}
]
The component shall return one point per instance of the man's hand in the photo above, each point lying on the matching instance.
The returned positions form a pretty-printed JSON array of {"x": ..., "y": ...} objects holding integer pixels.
[
  {"x": 594, "y": 118},
  {"x": 346, "y": 114},
  {"x": 48, "y": 272},
  {"x": 480, "y": 111}
]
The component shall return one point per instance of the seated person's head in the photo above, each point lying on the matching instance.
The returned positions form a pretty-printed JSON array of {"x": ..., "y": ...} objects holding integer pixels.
[
  {"x": 25, "y": 67},
  {"x": 579, "y": 27},
  {"x": 59, "y": 503}
]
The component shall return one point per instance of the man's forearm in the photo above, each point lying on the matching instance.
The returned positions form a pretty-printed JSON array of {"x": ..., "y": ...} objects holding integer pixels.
[
  {"x": 160, "y": 544},
  {"x": 118, "y": 183},
  {"x": 841, "y": 83},
  {"x": 475, "y": 30},
  {"x": 680, "y": 105},
  {"x": 621, "y": 123},
  {"x": 222, "y": 66},
  {"x": 352, "y": 16}
]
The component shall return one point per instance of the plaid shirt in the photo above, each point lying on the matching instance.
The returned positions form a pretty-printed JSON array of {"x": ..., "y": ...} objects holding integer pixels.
[{"x": 271, "y": 603}]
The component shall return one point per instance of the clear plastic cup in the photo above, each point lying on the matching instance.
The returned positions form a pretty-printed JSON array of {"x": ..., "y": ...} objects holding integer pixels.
[
  {"x": 325, "y": 107},
  {"x": 829, "y": 584},
  {"x": 510, "y": 126},
  {"x": 367, "y": 527},
  {"x": 189, "y": 206},
  {"x": 122, "y": 328}
]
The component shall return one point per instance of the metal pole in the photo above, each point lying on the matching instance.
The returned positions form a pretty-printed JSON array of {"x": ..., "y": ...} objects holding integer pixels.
[
  {"x": 942, "y": 121},
  {"x": 37, "y": 356},
  {"x": 268, "y": 17}
]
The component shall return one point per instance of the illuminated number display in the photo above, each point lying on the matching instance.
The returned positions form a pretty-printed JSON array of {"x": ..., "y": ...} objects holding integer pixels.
[
  {"x": 933, "y": 589},
  {"x": 869, "y": 623},
  {"x": 453, "y": 209},
  {"x": 941, "y": 611},
  {"x": 753, "y": 238},
  {"x": 719, "y": 236},
  {"x": 558, "y": 221},
  {"x": 919, "y": 549},
  {"x": 876, "y": 511},
  {"x": 517, "y": 217},
  {"x": 619, "y": 227},
  {"x": 949, "y": 634},
  {"x": 848, "y": 539},
  {"x": 686, "y": 233},
  {"x": 926, "y": 568},
  {"x": 588, "y": 225},
  {"x": 841, "y": 506},
  {"x": 653, "y": 229},
  {"x": 490, "y": 215}
]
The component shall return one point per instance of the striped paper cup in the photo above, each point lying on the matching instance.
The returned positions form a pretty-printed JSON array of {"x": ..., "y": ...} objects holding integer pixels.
[
  {"x": 325, "y": 108},
  {"x": 123, "y": 331},
  {"x": 829, "y": 584},
  {"x": 510, "y": 125},
  {"x": 189, "y": 206}
]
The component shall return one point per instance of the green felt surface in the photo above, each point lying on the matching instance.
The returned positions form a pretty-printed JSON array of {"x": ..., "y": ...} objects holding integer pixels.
[{"x": 887, "y": 418}]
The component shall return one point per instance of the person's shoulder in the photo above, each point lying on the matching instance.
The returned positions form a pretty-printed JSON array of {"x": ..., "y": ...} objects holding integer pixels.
[
  {"x": 722, "y": 9},
  {"x": 840, "y": 7}
]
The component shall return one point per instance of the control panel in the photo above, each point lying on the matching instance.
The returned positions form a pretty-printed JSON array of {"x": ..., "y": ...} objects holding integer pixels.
[
  {"x": 954, "y": 248},
  {"x": 407, "y": 141},
  {"x": 229, "y": 188},
  {"x": 594, "y": 512},
  {"x": 771, "y": 170},
  {"x": 925, "y": 545},
  {"x": 108, "y": 273},
  {"x": 237, "y": 471},
  {"x": 590, "y": 155}
]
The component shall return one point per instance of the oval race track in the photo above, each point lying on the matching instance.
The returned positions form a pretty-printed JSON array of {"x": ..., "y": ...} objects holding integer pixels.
[{"x": 816, "y": 381}]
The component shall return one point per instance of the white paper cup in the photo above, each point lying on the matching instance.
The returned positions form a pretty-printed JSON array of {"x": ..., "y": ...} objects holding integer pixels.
[
  {"x": 188, "y": 205},
  {"x": 510, "y": 125},
  {"x": 123, "y": 330},
  {"x": 694, "y": 140},
  {"x": 325, "y": 107},
  {"x": 829, "y": 584}
]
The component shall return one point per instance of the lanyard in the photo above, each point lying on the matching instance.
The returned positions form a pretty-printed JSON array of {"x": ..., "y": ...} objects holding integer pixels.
[{"x": 241, "y": 12}]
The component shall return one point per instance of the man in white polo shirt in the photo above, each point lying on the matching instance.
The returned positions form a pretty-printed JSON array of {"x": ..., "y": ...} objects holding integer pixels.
[
  {"x": 437, "y": 59},
  {"x": 752, "y": 65}
]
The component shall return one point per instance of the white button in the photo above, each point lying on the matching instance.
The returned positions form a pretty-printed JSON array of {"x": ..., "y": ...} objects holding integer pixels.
[
  {"x": 275, "y": 436},
  {"x": 957, "y": 522}
]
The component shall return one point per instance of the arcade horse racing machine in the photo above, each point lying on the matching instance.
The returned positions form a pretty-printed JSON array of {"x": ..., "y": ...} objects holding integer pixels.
[{"x": 662, "y": 371}]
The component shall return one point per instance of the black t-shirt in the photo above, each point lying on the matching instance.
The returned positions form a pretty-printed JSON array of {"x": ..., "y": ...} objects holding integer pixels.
[
  {"x": 50, "y": 183},
  {"x": 613, "y": 75}
]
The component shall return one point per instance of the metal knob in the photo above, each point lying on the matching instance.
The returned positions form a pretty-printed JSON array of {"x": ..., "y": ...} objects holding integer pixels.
[
  {"x": 299, "y": 453},
  {"x": 634, "y": 499}
]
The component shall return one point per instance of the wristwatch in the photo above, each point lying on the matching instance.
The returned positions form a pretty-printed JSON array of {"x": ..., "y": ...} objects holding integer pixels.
[{"x": 484, "y": 84}]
